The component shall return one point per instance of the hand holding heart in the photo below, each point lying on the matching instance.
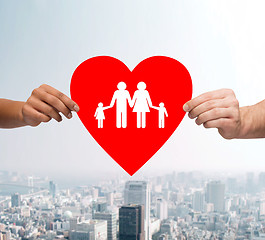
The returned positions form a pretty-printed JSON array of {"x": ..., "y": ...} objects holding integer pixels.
[
  {"x": 46, "y": 103},
  {"x": 217, "y": 109}
]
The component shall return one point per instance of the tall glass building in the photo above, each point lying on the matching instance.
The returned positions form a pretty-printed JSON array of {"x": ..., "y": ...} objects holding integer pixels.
[
  {"x": 138, "y": 192},
  {"x": 131, "y": 222}
]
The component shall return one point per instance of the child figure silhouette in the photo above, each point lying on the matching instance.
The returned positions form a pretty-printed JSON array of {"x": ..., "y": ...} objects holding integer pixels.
[
  {"x": 161, "y": 115},
  {"x": 99, "y": 114}
]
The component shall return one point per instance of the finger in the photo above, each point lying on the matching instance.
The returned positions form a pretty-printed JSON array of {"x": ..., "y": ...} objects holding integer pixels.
[
  {"x": 208, "y": 105},
  {"x": 217, "y": 94},
  {"x": 66, "y": 100},
  {"x": 45, "y": 108},
  {"x": 35, "y": 116},
  {"x": 213, "y": 114},
  {"x": 217, "y": 123},
  {"x": 53, "y": 101}
]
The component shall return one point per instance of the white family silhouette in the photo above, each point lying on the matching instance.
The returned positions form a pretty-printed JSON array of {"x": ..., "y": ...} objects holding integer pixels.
[{"x": 140, "y": 103}]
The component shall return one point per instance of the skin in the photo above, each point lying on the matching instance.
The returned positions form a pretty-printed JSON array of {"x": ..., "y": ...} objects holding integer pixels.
[
  {"x": 220, "y": 109},
  {"x": 44, "y": 104}
]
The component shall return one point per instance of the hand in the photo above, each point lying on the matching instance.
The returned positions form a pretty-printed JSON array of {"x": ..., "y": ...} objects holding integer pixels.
[
  {"x": 217, "y": 109},
  {"x": 46, "y": 103}
]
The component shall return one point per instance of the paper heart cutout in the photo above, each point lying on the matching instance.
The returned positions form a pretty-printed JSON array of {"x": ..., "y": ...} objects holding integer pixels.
[{"x": 95, "y": 81}]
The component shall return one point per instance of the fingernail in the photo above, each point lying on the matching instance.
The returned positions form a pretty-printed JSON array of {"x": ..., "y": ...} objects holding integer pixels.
[
  {"x": 69, "y": 115},
  {"x": 76, "y": 108},
  {"x": 186, "y": 107}
]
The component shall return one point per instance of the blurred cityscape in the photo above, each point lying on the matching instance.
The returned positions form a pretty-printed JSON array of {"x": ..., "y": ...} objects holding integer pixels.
[{"x": 179, "y": 205}]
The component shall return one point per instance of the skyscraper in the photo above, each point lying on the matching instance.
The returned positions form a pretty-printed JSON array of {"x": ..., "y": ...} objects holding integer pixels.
[
  {"x": 110, "y": 217},
  {"x": 262, "y": 180},
  {"x": 232, "y": 185},
  {"x": 15, "y": 200},
  {"x": 198, "y": 201},
  {"x": 131, "y": 222},
  {"x": 110, "y": 198},
  {"x": 99, "y": 206},
  {"x": 161, "y": 209},
  {"x": 250, "y": 185},
  {"x": 30, "y": 184},
  {"x": 52, "y": 188},
  {"x": 215, "y": 194},
  {"x": 138, "y": 192}
]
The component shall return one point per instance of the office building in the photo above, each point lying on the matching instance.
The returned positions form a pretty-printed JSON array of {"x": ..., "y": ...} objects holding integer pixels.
[
  {"x": 111, "y": 219},
  {"x": 161, "y": 209},
  {"x": 110, "y": 198},
  {"x": 80, "y": 235},
  {"x": 215, "y": 194},
  {"x": 198, "y": 201},
  {"x": 138, "y": 192},
  {"x": 131, "y": 222},
  {"x": 90, "y": 230},
  {"x": 52, "y": 188},
  {"x": 261, "y": 180},
  {"x": 250, "y": 185},
  {"x": 15, "y": 200},
  {"x": 30, "y": 184}
]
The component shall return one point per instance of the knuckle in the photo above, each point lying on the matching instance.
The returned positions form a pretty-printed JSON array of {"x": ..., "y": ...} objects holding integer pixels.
[
  {"x": 208, "y": 96},
  {"x": 235, "y": 121},
  {"x": 222, "y": 123},
  {"x": 52, "y": 101},
  {"x": 65, "y": 111},
  {"x": 43, "y": 118},
  {"x": 38, "y": 117},
  {"x": 25, "y": 108},
  {"x": 30, "y": 102},
  {"x": 46, "y": 119},
  {"x": 43, "y": 86},
  {"x": 235, "y": 102},
  {"x": 233, "y": 113},
  {"x": 228, "y": 90},
  {"x": 35, "y": 92},
  {"x": 72, "y": 104},
  {"x": 49, "y": 110},
  {"x": 215, "y": 111},
  {"x": 60, "y": 95},
  {"x": 35, "y": 124},
  {"x": 209, "y": 105}
]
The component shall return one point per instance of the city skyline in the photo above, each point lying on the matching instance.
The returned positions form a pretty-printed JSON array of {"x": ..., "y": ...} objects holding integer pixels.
[{"x": 181, "y": 205}]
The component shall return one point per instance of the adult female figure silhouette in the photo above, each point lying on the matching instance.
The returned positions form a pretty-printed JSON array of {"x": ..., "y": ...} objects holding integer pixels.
[{"x": 141, "y": 102}]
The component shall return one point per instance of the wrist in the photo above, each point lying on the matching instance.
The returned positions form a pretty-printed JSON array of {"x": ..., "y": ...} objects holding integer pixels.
[
  {"x": 245, "y": 122},
  {"x": 20, "y": 116}
]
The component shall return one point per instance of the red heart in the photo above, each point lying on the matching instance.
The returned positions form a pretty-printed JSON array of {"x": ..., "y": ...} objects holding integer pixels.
[{"x": 95, "y": 80}]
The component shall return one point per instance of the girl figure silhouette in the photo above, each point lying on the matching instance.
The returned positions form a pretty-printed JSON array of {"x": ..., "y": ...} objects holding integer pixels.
[
  {"x": 141, "y": 102},
  {"x": 99, "y": 114}
]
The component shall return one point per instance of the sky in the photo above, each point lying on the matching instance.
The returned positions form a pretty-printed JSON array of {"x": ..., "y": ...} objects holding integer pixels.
[{"x": 221, "y": 43}]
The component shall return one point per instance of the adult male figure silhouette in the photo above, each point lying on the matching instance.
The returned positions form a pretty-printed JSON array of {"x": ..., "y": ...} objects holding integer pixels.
[{"x": 121, "y": 96}]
